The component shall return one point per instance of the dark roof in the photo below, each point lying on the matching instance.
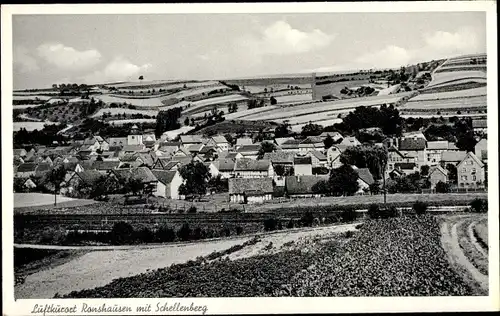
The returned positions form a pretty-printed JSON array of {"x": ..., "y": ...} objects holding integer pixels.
[
  {"x": 412, "y": 144},
  {"x": 479, "y": 124},
  {"x": 312, "y": 140},
  {"x": 365, "y": 175},
  {"x": 248, "y": 148},
  {"x": 280, "y": 157},
  {"x": 89, "y": 176},
  {"x": 250, "y": 186},
  {"x": 43, "y": 167},
  {"x": 302, "y": 160},
  {"x": 303, "y": 184},
  {"x": 164, "y": 176},
  {"x": 133, "y": 147},
  {"x": 225, "y": 164},
  {"x": 140, "y": 173},
  {"x": 26, "y": 167},
  {"x": 207, "y": 149},
  {"x": 405, "y": 165},
  {"x": 106, "y": 164},
  {"x": 318, "y": 154},
  {"x": 246, "y": 164},
  {"x": 292, "y": 143},
  {"x": 453, "y": 156}
]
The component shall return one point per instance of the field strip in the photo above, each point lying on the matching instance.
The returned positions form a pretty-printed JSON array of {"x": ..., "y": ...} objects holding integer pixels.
[{"x": 470, "y": 231}]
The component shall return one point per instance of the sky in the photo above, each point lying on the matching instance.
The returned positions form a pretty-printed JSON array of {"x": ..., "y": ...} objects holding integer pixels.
[{"x": 92, "y": 49}]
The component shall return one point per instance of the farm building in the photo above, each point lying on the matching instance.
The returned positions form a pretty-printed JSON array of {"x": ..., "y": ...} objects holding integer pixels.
[
  {"x": 437, "y": 174},
  {"x": 225, "y": 167},
  {"x": 78, "y": 179},
  {"x": 452, "y": 157},
  {"x": 249, "y": 168},
  {"x": 208, "y": 153},
  {"x": 189, "y": 140},
  {"x": 182, "y": 152},
  {"x": 480, "y": 125},
  {"x": 230, "y": 155},
  {"x": 131, "y": 149},
  {"x": 212, "y": 168},
  {"x": 149, "y": 140},
  {"x": 336, "y": 136},
  {"x": 365, "y": 179},
  {"x": 471, "y": 172},
  {"x": 220, "y": 143},
  {"x": 302, "y": 166},
  {"x": 406, "y": 167},
  {"x": 250, "y": 190},
  {"x": 243, "y": 141},
  {"x": 414, "y": 147},
  {"x": 142, "y": 174},
  {"x": 105, "y": 166},
  {"x": 318, "y": 159},
  {"x": 333, "y": 157},
  {"x": 291, "y": 145},
  {"x": 303, "y": 185},
  {"x": 168, "y": 184},
  {"x": 434, "y": 151},
  {"x": 280, "y": 140},
  {"x": 311, "y": 143},
  {"x": 165, "y": 164},
  {"x": 415, "y": 134},
  {"x": 249, "y": 151},
  {"x": 282, "y": 158},
  {"x": 350, "y": 141}
]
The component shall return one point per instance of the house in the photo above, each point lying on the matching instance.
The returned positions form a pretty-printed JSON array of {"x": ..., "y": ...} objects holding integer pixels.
[
  {"x": 302, "y": 166},
  {"x": 318, "y": 159},
  {"x": 225, "y": 167},
  {"x": 28, "y": 184},
  {"x": 131, "y": 149},
  {"x": 481, "y": 148},
  {"x": 280, "y": 140},
  {"x": 103, "y": 166},
  {"x": 220, "y": 143},
  {"x": 145, "y": 159},
  {"x": 142, "y": 174},
  {"x": 96, "y": 143},
  {"x": 18, "y": 160},
  {"x": 299, "y": 186},
  {"x": 208, "y": 153},
  {"x": 78, "y": 179},
  {"x": 452, "y": 157},
  {"x": 26, "y": 170},
  {"x": 135, "y": 137},
  {"x": 249, "y": 151},
  {"x": 480, "y": 125},
  {"x": 350, "y": 141},
  {"x": 189, "y": 140},
  {"x": 280, "y": 158},
  {"x": 117, "y": 141},
  {"x": 311, "y": 143},
  {"x": 406, "y": 167},
  {"x": 365, "y": 180},
  {"x": 165, "y": 164},
  {"x": 336, "y": 136},
  {"x": 168, "y": 184},
  {"x": 182, "y": 152},
  {"x": 414, "y": 134},
  {"x": 20, "y": 152},
  {"x": 243, "y": 141},
  {"x": 437, "y": 174},
  {"x": 291, "y": 145},
  {"x": 471, "y": 172},
  {"x": 414, "y": 147},
  {"x": 333, "y": 156},
  {"x": 194, "y": 149},
  {"x": 249, "y": 168},
  {"x": 250, "y": 190},
  {"x": 434, "y": 151},
  {"x": 230, "y": 155},
  {"x": 212, "y": 167}
]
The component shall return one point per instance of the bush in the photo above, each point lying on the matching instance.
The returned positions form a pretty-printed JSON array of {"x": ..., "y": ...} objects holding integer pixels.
[
  {"x": 145, "y": 235},
  {"x": 239, "y": 230},
  {"x": 420, "y": 207},
  {"x": 307, "y": 219},
  {"x": 374, "y": 211},
  {"x": 479, "y": 206},
  {"x": 165, "y": 234},
  {"x": 348, "y": 215},
  {"x": 442, "y": 187},
  {"x": 348, "y": 234},
  {"x": 270, "y": 224},
  {"x": 184, "y": 233},
  {"x": 192, "y": 209},
  {"x": 122, "y": 233},
  {"x": 290, "y": 224}
]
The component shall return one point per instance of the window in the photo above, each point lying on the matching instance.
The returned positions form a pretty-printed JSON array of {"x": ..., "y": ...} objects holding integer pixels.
[
  {"x": 470, "y": 162},
  {"x": 474, "y": 178},
  {"x": 464, "y": 170},
  {"x": 133, "y": 137},
  {"x": 464, "y": 178},
  {"x": 473, "y": 170}
]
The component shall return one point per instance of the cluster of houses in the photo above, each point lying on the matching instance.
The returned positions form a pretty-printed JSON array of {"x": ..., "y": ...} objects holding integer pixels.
[{"x": 294, "y": 167}]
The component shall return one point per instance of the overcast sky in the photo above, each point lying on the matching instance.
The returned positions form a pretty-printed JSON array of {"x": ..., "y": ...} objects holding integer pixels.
[{"x": 105, "y": 48}]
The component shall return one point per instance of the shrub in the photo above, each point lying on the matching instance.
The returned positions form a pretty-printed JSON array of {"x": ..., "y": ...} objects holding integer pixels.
[
  {"x": 479, "y": 205},
  {"x": 184, "y": 233},
  {"x": 122, "y": 233},
  {"x": 165, "y": 234},
  {"x": 52, "y": 236},
  {"x": 145, "y": 235},
  {"x": 307, "y": 219},
  {"x": 348, "y": 215},
  {"x": 442, "y": 187},
  {"x": 290, "y": 224},
  {"x": 239, "y": 230},
  {"x": 270, "y": 224},
  {"x": 374, "y": 211},
  {"x": 192, "y": 209},
  {"x": 420, "y": 207},
  {"x": 348, "y": 234}
]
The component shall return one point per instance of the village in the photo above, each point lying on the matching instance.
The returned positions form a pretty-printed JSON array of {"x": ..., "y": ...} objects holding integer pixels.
[{"x": 244, "y": 170}]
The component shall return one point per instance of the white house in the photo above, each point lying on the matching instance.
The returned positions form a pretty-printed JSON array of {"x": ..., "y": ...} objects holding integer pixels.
[
  {"x": 311, "y": 143},
  {"x": 333, "y": 156},
  {"x": 434, "y": 151},
  {"x": 250, "y": 190},
  {"x": 135, "y": 137},
  {"x": 219, "y": 142},
  {"x": 211, "y": 165},
  {"x": 168, "y": 184},
  {"x": 225, "y": 167},
  {"x": 249, "y": 168},
  {"x": 302, "y": 166},
  {"x": 350, "y": 141},
  {"x": 243, "y": 141}
]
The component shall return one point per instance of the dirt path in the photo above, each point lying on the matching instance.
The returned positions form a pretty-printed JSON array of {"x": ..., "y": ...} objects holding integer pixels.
[
  {"x": 456, "y": 255},
  {"x": 98, "y": 268}
]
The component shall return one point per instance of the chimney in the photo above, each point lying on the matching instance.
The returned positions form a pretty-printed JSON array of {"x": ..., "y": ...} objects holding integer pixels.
[{"x": 298, "y": 179}]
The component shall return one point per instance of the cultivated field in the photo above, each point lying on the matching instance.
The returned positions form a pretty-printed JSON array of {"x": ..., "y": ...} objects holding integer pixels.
[
  {"x": 436, "y": 104},
  {"x": 127, "y": 121},
  {"x": 294, "y": 98},
  {"x": 115, "y": 111},
  {"x": 30, "y": 126},
  {"x": 40, "y": 199},
  {"x": 199, "y": 106},
  {"x": 481, "y": 91},
  {"x": 146, "y": 102}
]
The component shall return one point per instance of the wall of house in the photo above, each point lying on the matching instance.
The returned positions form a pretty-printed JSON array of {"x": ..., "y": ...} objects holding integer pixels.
[
  {"x": 174, "y": 187},
  {"x": 252, "y": 174},
  {"x": 161, "y": 190},
  {"x": 134, "y": 140},
  {"x": 470, "y": 173},
  {"x": 435, "y": 177},
  {"x": 237, "y": 198},
  {"x": 305, "y": 195},
  {"x": 302, "y": 170},
  {"x": 434, "y": 157}
]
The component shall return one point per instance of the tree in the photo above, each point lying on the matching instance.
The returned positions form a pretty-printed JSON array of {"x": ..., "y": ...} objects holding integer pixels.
[
  {"x": 196, "y": 176},
  {"x": 328, "y": 141},
  {"x": 54, "y": 86},
  {"x": 321, "y": 187},
  {"x": 134, "y": 186},
  {"x": 375, "y": 188},
  {"x": 311, "y": 129},
  {"x": 56, "y": 177},
  {"x": 420, "y": 207},
  {"x": 371, "y": 157},
  {"x": 141, "y": 77},
  {"x": 282, "y": 130},
  {"x": 167, "y": 120},
  {"x": 424, "y": 170},
  {"x": 343, "y": 181},
  {"x": 265, "y": 147},
  {"x": 186, "y": 121},
  {"x": 442, "y": 187},
  {"x": 452, "y": 173},
  {"x": 273, "y": 101}
]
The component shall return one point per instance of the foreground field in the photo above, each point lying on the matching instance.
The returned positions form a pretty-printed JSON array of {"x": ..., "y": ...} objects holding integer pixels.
[
  {"x": 98, "y": 268},
  {"x": 394, "y": 257},
  {"x": 28, "y": 200}
]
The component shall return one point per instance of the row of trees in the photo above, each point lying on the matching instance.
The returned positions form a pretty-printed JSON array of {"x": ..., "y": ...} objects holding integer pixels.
[{"x": 167, "y": 120}]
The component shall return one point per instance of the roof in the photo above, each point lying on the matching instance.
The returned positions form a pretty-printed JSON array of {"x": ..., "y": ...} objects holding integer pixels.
[
  {"x": 19, "y": 152},
  {"x": 195, "y": 148},
  {"x": 281, "y": 140},
  {"x": 26, "y": 167},
  {"x": 106, "y": 164},
  {"x": 146, "y": 158},
  {"x": 117, "y": 140},
  {"x": 280, "y": 157},
  {"x": 149, "y": 138},
  {"x": 302, "y": 160},
  {"x": 129, "y": 157},
  {"x": 89, "y": 176},
  {"x": 130, "y": 148},
  {"x": 438, "y": 145},
  {"x": 417, "y": 134},
  {"x": 312, "y": 140},
  {"x": 365, "y": 175},
  {"x": 191, "y": 139},
  {"x": 90, "y": 141},
  {"x": 244, "y": 141},
  {"x": 405, "y": 165},
  {"x": 452, "y": 146},
  {"x": 412, "y": 144},
  {"x": 303, "y": 184},
  {"x": 86, "y": 165},
  {"x": 250, "y": 186},
  {"x": 479, "y": 124},
  {"x": 141, "y": 173},
  {"x": 164, "y": 163},
  {"x": 332, "y": 134},
  {"x": 473, "y": 157},
  {"x": 453, "y": 156},
  {"x": 248, "y": 148},
  {"x": 219, "y": 139},
  {"x": 246, "y": 164},
  {"x": 164, "y": 176},
  {"x": 350, "y": 141},
  {"x": 225, "y": 164},
  {"x": 207, "y": 149},
  {"x": 438, "y": 168},
  {"x": 318, "y": 154}
]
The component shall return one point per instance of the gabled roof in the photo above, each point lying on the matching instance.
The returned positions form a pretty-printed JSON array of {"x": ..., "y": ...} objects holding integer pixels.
[
  {"x": 88, "y": 176},
  {"x": 164, "y": 164},
  {"x": 281, "y": 140},
  {"x": 412, "y": 144},
  {"x": 278, "y": 157},
  {"x": 250, "y": 186},
  {"x": 26, "y": 167},
  {"x": 106, "y": 164},
  {"x": 438, "y": 168},
  {"x": 149, "y": 138},
  {"x": 302, "y": 160},
  {"x": 414, "y": 134},
  {"x": 129, "y": 157},
  {"x": 291, "y": 144},
  {"x": 453, "y": 156},
  {"x": 244, "y": 141},
  {"x": 334, "y": 135},
  {"x": 438, "y": 145},
  {"x": 146, "y": 158},
  {"x": 141, "y": 173},
  {"x": 405, "y": 165},
  {"x": 313, "y": 140},
  {"x": 191, "y": 139},
  {"x": 225, "y": 165},
  {"x": 90, "y": 141},
  {"x": 452, "y": 146},
  {"x": 164, "y": 176},
  {"x": 472, "y": 156},
  {"x": 365, "y": 175},
  {"x": 248, "y": 148},
  {"x": 132, "y": 148},
  {"x": 183, "y": 150},
  {"x": 19, "y": 152},
  {"x": 303, "y": 184},
  {"x": 350, "y": 141},
  {"x": 219, "y": 139},
  {"x": 195, "y": 148},
  {"x": 318, "y": 154},
  {"x": 115, "y": 141},
  {"x": 246, "y": 164},
  {"x": 207, "y": 149}
]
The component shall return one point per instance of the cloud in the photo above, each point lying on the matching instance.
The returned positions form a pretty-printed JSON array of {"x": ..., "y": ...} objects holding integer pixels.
[
  {"x": 391, "y": 56},
  {"x": 24, "y": 60},
  {"x": 119, "y": 69},
  {"x": 281, "y": 39},
  {"x": 446, "y": 44},
  {"x": 68, "y": 58}
]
